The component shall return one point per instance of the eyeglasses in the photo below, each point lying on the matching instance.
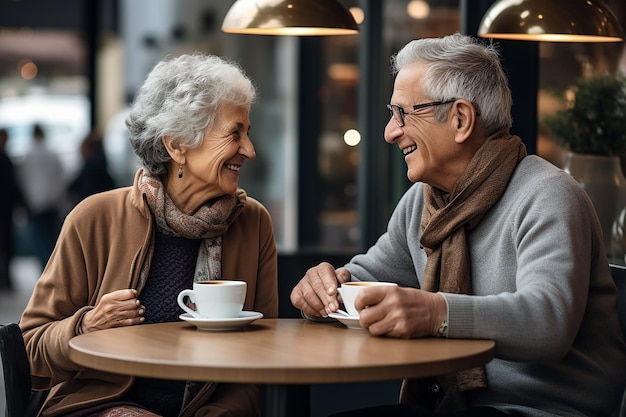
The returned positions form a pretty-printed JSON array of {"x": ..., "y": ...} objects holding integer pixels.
[{"x": 398, "y": 113}]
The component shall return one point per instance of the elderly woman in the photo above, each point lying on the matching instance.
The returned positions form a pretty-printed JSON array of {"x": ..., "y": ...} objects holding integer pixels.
[{"x": 124, "y": 255}]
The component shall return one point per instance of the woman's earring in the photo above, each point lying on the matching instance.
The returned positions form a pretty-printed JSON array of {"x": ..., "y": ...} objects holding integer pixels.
[{"x": 180, "y": 170}]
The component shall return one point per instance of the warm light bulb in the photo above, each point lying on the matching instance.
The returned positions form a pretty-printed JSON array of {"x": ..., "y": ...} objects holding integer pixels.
[
  {"x": 418, "y": 9},
  {"x": 352, "y": 137},
  {"x": 27, "y": 69}
]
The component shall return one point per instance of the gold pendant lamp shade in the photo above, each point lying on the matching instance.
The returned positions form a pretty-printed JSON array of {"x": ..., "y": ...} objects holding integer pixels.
[
  {"x": 551, "y": 21},
  {"x": 289, "y": 18}
]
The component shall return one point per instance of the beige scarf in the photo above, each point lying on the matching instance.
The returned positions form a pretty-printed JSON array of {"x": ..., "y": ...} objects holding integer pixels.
[
  {"x": 447, "y": 218},
  {"x": 209, "y": 223}
]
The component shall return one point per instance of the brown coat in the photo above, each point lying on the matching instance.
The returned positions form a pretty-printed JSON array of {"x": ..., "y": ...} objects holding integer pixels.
[{"x": 101, "y": 248}]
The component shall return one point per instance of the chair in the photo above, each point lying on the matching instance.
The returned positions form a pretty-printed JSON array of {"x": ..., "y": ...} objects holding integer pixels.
[
  {"x": 21, "y": 401},
  {"x": 619, "y": 276}
]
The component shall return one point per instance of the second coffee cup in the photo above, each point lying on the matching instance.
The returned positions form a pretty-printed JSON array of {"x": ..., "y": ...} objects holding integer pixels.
[
  {"x": 218, "y": 299},
  {"x": 349, "y": 291}
]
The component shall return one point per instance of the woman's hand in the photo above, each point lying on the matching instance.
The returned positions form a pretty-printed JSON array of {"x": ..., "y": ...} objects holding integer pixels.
[
  {"x": 115, "y": 309},
  {"x": 316, "y": 293}
]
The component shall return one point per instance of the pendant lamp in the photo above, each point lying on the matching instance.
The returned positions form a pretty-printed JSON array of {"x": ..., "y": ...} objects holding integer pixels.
[
  {"x": 289, "y": 18},
  {"x": 551, "y": 21}
]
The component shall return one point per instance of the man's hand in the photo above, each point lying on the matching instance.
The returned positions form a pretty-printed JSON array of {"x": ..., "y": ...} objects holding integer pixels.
[
  {"x": 316, "y": 293},
  {"x": 115, "y": 309},
  {"x": 400, "y": 312}
]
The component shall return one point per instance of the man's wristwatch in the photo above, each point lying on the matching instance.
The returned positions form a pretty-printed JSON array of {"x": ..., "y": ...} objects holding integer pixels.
[{"x": 443, "y": 329}]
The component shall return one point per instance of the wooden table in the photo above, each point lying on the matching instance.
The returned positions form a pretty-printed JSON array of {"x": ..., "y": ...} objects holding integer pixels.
[{"x": 272, "y": 351}]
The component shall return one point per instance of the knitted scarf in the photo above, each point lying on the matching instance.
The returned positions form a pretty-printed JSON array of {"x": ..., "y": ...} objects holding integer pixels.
[
  {"x": 447, "y": 218},
  {"x": 209, "y": 223}
]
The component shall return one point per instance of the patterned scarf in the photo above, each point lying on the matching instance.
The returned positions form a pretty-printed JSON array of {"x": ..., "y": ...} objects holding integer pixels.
[
  {"x": 209, "y": 223},
  {"x": 445, "y": 221}
]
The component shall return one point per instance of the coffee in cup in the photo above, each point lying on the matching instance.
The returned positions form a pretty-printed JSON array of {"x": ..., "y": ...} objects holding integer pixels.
[
  {"x": 217, "y": 299},
  {"x": 349, "y": 291}
]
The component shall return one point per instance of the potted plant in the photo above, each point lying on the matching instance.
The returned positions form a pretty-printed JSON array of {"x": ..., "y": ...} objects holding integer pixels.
[
  {"x": 594, "y": 120},
  {"x": 592, "y": 127}
]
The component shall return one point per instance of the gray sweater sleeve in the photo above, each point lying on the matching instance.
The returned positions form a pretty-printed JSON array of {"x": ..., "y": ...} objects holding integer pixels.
[{"x": 397, "y": 255}]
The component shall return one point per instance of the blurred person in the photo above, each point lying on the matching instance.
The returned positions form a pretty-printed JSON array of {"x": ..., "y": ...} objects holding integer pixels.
[
  {"x": 488, "y": 243},
  {"x": 124, "y": 255},
  {"x": 12, "y": 198},
  {"x": 41, "y": 177},
  {"x": 93, "y": 176}
]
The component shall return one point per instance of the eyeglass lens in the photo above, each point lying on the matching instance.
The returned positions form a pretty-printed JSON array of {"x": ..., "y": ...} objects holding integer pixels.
[{"x": 396, "y": 112}]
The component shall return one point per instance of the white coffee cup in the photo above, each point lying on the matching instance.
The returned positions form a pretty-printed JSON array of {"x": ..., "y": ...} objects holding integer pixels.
[
  {"x": 218, "y": 299},
  {"x": 349, "y": 291}
]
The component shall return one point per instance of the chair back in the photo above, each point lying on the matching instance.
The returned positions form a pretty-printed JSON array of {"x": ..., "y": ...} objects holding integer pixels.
[
  {"x": 619, "y": 276},
  {"x": 16, "y": 370},
  {"x": 20, "y": 400}
]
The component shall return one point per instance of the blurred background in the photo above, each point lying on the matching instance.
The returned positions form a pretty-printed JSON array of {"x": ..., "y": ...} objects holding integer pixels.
[{"x": 74, "y": 65}]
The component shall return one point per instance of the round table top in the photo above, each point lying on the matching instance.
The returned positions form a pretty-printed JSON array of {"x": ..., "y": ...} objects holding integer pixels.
[{"x": 272, "y": 351}]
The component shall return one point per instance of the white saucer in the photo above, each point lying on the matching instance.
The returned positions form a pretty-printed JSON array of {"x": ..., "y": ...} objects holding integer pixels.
[
  {"x": 350, "y": 322},
  {"x": 245, "y": 317}
]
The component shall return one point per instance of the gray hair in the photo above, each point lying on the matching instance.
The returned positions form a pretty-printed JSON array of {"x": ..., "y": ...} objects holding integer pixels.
[
  {"x": 180, "y": 98},
  {"x": 460, "y": 67}
]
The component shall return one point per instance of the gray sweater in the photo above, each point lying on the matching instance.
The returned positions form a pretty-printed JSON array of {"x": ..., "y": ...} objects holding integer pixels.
[{"x": 542, "y": 290}]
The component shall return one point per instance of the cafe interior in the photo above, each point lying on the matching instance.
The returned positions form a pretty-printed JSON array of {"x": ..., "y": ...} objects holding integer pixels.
[{"x": 323, "y": 170}]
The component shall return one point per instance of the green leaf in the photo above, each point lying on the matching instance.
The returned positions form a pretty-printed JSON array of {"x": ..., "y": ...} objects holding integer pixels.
[{"x": 595, "y": 122}]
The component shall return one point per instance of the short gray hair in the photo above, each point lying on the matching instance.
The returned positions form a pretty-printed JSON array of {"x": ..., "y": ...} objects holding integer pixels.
[
  {"x": 180, "y": 98},
  {"x": 461, "y": 67}
]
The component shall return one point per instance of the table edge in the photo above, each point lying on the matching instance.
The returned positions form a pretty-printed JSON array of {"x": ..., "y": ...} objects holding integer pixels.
[{"x": 262, "y": 375}]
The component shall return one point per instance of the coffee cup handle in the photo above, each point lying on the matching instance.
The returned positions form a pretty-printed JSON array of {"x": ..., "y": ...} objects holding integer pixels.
[{"x": 181, "y": 302}]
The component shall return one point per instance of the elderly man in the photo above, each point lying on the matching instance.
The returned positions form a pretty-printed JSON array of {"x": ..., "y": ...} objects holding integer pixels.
[{"x": 488, "y": 243}]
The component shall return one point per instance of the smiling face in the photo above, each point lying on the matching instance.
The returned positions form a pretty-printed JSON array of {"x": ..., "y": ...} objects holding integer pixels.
[
  {"x": 212, "y": 169},
  {"x": 215, "y": 164},
  {"x": 428, "y": 146}
]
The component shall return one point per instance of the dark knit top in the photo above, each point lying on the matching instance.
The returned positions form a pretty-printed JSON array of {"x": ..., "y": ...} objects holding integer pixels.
[{"x": 172, "y": 270}]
